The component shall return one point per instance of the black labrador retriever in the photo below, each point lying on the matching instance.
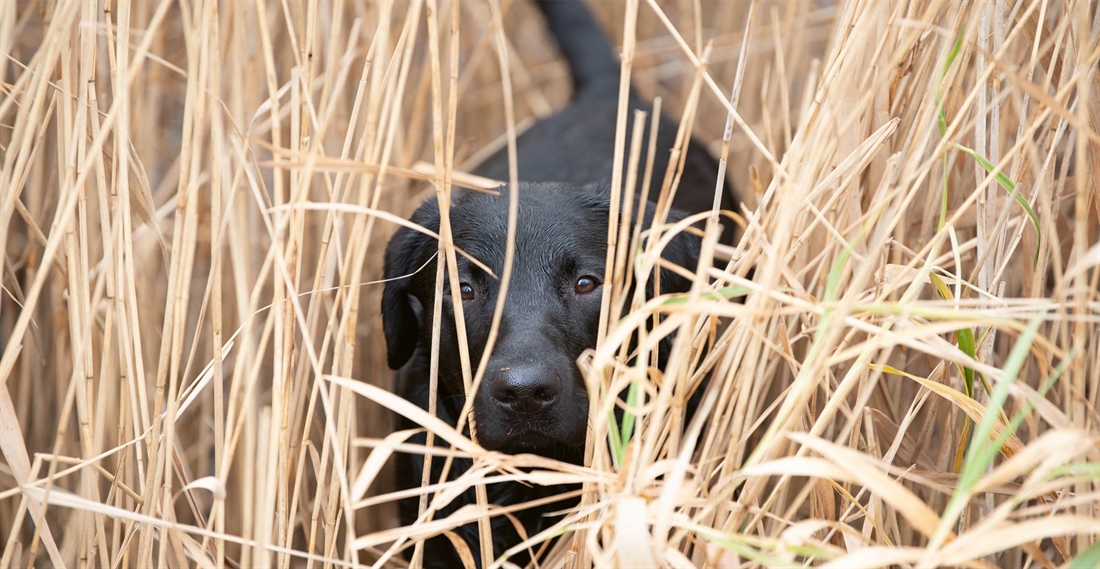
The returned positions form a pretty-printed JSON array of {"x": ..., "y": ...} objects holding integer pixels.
[{"x": 532, "y": 398}]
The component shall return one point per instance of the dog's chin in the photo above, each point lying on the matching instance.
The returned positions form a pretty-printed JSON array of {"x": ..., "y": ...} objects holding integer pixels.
[
  {"x": 527, "y": 442},
  {"x": 527, "y": 439}
]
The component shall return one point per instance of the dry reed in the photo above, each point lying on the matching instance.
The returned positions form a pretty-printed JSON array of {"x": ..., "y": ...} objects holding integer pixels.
[{"x": 194, "y": 197}]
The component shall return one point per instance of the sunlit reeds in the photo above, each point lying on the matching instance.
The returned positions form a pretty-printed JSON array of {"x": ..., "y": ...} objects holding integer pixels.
[{"x": 194, "y": 198}]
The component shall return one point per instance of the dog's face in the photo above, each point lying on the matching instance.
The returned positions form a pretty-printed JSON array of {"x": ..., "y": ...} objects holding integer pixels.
[{"x": 532, "y": 398}]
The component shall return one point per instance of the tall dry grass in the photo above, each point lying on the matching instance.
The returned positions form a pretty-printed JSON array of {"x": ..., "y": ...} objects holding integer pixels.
[{"x": 194, "y": 197}]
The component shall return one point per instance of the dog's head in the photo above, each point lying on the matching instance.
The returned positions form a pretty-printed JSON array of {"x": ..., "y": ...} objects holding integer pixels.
[{"x": 532, "y": 398}]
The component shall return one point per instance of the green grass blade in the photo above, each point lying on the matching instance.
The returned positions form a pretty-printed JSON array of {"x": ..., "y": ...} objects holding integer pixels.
[
  {"x": 964, "y": 336},
  {"x": 1011, "y": 188},
  {"x": 1089, "y": 558},
  {"x": 633, "y": 394},
  {"x": 979, "y": 457},
  {"x": 941, "y": 121},
  {"x": 618, "y": 449},
  {"x": 724, "y": 293},
  {"x": 942, "y": 114}
]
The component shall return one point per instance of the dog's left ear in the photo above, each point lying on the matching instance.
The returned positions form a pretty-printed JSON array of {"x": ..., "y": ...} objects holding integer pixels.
[
  {"x": 404, "y": 255},
  {"x": 683, "y": 250}
]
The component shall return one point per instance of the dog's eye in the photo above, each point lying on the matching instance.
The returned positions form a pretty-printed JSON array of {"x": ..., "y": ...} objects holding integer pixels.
[
  {"x": 466, "y": 290},
  {"x": 586, "y": 284}
]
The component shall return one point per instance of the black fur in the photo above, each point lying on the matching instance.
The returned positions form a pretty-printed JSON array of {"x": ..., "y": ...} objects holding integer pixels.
[
  {"x": 576, "y": 143},
  {"x": 549, "y": 319},
  {"x": 560, "y": 235}
]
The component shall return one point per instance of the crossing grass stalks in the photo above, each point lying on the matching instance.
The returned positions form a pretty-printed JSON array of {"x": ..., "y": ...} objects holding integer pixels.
[{"x": 194, "y": 197}]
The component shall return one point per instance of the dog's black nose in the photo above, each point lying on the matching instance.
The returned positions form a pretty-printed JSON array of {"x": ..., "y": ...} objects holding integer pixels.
[{"x": 526, "y": 390}]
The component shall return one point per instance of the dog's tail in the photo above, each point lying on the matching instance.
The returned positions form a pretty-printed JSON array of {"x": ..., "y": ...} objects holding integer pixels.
[{"x": 592, "y": 62}]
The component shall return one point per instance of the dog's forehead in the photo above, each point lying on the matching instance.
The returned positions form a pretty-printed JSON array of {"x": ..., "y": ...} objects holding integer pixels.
[
  {"x": 554, "y": 212},
  {"x": 554, "y": 222}
]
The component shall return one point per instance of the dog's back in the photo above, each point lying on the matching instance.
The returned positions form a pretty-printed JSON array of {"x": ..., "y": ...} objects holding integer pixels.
[{"x": 576, "y": 144}]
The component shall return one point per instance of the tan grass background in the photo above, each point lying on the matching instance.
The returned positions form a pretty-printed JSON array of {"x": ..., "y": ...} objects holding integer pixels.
[{"x": 194, "y": 198}]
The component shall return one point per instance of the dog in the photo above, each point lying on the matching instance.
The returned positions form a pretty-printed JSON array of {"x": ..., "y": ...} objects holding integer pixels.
[{"x": 532, "y": 398}]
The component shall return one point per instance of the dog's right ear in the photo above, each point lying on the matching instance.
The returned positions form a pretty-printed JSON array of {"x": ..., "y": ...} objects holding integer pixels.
[{"x": 404, "y": 256}]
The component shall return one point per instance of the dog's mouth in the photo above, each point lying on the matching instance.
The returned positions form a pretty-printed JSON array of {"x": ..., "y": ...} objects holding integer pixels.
[
  {"x": 526, "y": 438},
  {"x": 538, "y": 436},
  {"x": 516, "y": 436}
]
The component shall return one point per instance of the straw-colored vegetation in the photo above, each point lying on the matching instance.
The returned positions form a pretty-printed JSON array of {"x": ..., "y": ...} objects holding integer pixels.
[{"x": 194, "y": 197}]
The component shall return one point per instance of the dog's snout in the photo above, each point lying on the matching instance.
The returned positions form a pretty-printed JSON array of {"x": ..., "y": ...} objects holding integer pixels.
[{"x": 526, "y": 390}]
